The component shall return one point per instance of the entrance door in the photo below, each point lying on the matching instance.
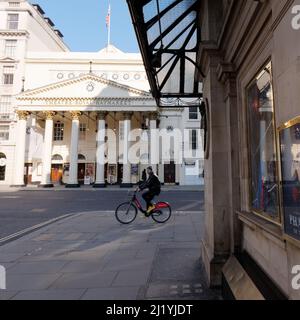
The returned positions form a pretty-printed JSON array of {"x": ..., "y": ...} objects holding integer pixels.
[
  {"x": 120, "y": 173},
  {"x": 56, "y": 173},
  {"x": 28, "y": 173},
  {"x": 81, "y": 173},
  {"x": 170, "y": 173}
]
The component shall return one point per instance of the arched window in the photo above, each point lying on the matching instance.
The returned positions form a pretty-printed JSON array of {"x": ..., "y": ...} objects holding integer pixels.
[
  {"x": 57, "y": 157},
  {"x": 2, "y": 166},
  {"x": 81, "y": 157}
]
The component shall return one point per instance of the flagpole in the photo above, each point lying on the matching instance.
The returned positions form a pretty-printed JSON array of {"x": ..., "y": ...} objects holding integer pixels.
[{"x": 108, "y": 27}]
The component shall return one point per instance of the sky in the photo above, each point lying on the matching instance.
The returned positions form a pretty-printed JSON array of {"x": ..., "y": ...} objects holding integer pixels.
[{"x": 83, "y": 23}]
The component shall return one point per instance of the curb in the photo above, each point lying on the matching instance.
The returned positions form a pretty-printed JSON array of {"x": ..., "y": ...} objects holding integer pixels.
[{"x": 27, "y": 231}]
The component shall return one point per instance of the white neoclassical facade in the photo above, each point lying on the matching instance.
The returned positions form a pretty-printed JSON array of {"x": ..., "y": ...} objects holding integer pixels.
[{"x": 59, "y": 110}]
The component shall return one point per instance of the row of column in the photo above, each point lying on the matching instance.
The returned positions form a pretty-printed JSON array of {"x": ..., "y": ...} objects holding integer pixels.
[{"x": 73, "y": 173}]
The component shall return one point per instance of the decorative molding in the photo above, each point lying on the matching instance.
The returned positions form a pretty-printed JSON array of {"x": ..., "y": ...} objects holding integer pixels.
[
  {"x": 127, "y": 115},
  {"x": 22, "y": 115},
  {"x": 101, "y": 115},
  {"x": 207, "y": 51},
  {"x": 14, "y": 33},
  {"x": 75, "y": 115},
  {"x": 87, "y": 77},
  {"x": 49, "y": 115},
  {"x": 153, "y": 115}
]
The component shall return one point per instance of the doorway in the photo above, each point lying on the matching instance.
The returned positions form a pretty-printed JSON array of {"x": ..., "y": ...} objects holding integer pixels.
[
  {"x": 81, "y": 173},
  {"x": 56, "y": 173},
  {"x": 170, "y": 173}
]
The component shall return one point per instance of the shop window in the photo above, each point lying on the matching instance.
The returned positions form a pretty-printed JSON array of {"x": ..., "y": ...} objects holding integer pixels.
[
  {"x": 264, "y": 189},
  {"x": 59, "y": 131},
  {"x": 290, "y": 166}
]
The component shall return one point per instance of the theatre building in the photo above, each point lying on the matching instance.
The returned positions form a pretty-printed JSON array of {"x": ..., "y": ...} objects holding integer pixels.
[
  {"x": 246, "y": 55},
  {"x": 55, "y": 105}
]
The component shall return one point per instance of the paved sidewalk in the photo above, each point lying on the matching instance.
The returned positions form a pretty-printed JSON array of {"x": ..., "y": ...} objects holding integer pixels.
[
  {"x": 90, "y": 188},
  {"x": 91, "y": 256}
]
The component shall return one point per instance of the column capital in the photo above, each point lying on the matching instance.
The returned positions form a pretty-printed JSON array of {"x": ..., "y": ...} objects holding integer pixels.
[
  {"x": 127, "y": 115},
  {"x": 153, "y": 115},
  {"x": 49, "y": 114},
  {"x": 101, "y": 115},
  {"x": 75, "y": 115},
  {"x": 22, "y": 115}
]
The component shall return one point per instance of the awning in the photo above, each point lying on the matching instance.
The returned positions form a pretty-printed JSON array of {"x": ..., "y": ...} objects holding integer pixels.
[{"x": 169, "y": 36}]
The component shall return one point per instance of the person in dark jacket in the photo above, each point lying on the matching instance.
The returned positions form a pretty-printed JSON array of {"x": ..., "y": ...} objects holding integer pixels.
[
  {"x": 144, "y": 176},
  {"x": 154, "y": 188}
]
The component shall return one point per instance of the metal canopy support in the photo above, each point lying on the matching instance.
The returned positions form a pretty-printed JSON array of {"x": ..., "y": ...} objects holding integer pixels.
[{"x": 169, "y": 36}]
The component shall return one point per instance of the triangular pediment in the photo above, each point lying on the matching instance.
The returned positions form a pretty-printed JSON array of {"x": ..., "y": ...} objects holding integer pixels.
[
  {"x": 85, "y": 86},
  {"x": 7, "y": 60}
]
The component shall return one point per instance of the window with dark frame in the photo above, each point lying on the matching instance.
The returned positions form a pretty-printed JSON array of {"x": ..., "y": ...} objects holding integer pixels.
[
  {"x": 82, "y": 131},
  {"x": 193, "y": 113},
  {"x": 59, "y": 128},
  {"x": 263, "y": 155},
  {"x": 8, "y": 75},
  {"x": 194, "y": 140}
]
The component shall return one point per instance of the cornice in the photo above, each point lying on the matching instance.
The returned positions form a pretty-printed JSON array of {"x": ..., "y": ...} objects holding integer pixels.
[
  {"x": 14, "y": 33},
  {"x": 87, "y": 77},
  {"x": 83, "y": 99},
  {"x": 208, "y": 50}
]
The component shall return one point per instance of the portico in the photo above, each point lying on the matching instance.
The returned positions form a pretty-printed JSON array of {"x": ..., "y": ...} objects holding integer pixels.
[{"x": 86, "y": 122}]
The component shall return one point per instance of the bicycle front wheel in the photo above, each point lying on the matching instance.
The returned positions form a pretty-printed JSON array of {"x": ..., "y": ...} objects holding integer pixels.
[{"x": 126, "y": 213}]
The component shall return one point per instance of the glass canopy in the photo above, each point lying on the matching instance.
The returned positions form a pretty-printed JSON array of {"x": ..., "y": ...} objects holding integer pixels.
[{"x": 169, "y": 36}]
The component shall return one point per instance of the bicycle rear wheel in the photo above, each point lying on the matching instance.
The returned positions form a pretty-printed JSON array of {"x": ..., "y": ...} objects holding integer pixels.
[
  {"x": 126, "y": 213},
  {"x": 162, "y": 215}
]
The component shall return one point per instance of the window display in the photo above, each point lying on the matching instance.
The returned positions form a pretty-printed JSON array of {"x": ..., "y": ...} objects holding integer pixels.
[
  {"x": 262, "y": 144},
  {"x": 290, "y": 167}
]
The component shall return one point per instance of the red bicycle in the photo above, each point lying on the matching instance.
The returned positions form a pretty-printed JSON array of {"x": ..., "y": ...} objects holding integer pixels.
[{"x": 127, "y": 212}]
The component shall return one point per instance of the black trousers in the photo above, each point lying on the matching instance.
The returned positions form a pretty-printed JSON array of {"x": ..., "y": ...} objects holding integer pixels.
[{"x": 148, "y": 196}]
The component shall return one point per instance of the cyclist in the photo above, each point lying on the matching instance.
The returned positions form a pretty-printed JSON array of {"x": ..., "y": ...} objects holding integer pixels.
[{"x": 154, "y": 186}]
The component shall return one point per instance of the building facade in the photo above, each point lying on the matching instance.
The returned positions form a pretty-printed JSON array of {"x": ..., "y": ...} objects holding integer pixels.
[
  {"x": 55, "y": 105},
  {"x": 248, "y": 61}
]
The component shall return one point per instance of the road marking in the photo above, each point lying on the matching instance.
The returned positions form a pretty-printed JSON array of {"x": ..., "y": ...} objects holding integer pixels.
[
  {"x": 38, "y": 210},
  {"x": 24, "y": 232}
]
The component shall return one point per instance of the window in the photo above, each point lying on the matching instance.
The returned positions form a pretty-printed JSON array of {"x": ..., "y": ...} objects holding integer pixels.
[
  {"x": 59, "y": 128},
  {"x": 8, "y": 75},
  {"x": 4, "y": 133},
  {"x": 10, "y": 48},
  {"x": 193, "y": 140},
  {"x": 193, "y": 113},
  {"x": 290, "y": 167},
  {"x": 5, "y": 107},
  {"x": 262, "y": 145},
  {"x": 12, "y": 21},
  {"x": 82, "y": 131}
]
